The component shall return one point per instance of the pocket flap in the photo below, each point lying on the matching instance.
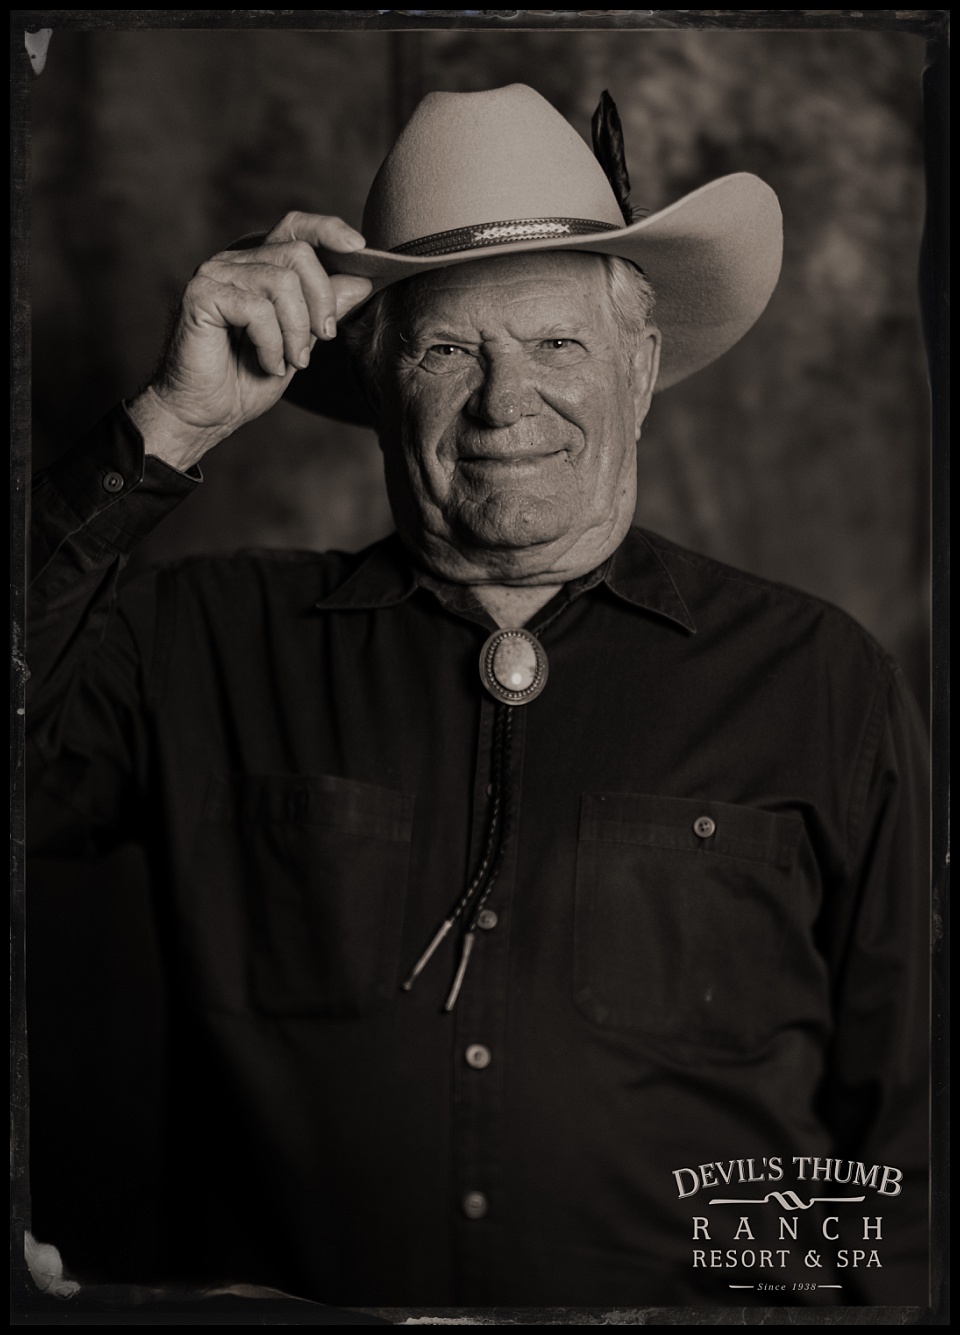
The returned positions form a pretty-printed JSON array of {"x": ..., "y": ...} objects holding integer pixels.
[
  {"x": 347, "y": 805},
  {"x": 668, "y": 823}
]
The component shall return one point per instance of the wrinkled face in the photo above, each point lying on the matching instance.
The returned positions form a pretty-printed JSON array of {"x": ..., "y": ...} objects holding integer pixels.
[{"x": 510, "y": 414}]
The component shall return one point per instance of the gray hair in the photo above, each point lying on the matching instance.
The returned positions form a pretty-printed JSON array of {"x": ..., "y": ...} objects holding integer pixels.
[{"x": 366, "y": 333}]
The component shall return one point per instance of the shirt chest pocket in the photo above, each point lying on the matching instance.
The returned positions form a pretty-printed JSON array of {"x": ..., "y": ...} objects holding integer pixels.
[
  {"x": 692, "y": 923},
  {"x": 299, "y": 888}
]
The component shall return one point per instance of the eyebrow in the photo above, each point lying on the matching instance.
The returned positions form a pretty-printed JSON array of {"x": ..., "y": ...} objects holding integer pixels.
[
  {"x": 561, "y": 331},
  {"x": 442, "y": 335},
  {"x": 445, "y": 335}
]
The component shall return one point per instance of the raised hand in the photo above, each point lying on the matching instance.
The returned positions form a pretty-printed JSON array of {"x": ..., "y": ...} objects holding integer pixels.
[{"x": 247, "y": 322}]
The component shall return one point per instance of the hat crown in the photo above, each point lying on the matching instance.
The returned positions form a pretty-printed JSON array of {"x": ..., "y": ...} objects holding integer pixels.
[{"x": 465, "y": 159}]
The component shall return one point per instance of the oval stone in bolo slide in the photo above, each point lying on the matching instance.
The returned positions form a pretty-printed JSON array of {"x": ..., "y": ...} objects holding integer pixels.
[{"x": 513, "y": 666}]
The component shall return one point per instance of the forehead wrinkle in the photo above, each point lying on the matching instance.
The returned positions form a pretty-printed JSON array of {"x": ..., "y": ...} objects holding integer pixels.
[{"x": 521, "y": 280}]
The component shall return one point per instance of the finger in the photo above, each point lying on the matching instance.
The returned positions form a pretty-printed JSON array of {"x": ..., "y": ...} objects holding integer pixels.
[
  {"x": 222, "y": 305},
  {"x": 301, "y": 259},
  {"x": 282, "y": 287},
  {"x": 317, "y": 229},
  {"x": 328, "y": 299},
  {"x": 349, "y": 291}
]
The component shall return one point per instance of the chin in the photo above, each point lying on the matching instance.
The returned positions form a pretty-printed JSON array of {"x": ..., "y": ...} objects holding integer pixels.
[{"x": 511, "y": 524}]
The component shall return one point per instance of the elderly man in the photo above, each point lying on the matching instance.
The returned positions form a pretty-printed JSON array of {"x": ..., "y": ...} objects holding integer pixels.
[{"x": 542, "y": 898}]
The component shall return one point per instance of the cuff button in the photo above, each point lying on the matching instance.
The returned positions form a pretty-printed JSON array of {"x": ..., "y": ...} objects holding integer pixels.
[{"x": 112, "y": 482}]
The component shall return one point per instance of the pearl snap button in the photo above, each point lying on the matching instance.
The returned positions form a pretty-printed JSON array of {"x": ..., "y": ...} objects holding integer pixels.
[
  {"x": 703, "y": 827},
  {"x": 487, "y": 920},
  {"x": 478, "y": 1056},
  {"x": 475, "y": 1205},
  {"x": 112, "y": 482}
]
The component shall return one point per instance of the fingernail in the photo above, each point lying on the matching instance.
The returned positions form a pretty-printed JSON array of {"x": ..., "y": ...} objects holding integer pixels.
[
  {"x": 330, "y": 327},
  {"x": 305, "y": 358},
  {"x": 281, "y": 367},
  {"x": 353, "y": 240}
]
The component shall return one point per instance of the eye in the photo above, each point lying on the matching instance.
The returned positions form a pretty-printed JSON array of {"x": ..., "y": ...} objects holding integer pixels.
[
  {"x": 560, "y": 353},
  {"x": 445, "y": 358}
]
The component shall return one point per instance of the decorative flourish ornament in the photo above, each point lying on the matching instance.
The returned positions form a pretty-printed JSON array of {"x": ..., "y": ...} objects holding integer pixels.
[{"x": 513, "y": 666}]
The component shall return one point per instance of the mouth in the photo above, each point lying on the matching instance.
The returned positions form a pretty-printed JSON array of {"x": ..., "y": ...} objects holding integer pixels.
[{"x": 527, "y": 459}]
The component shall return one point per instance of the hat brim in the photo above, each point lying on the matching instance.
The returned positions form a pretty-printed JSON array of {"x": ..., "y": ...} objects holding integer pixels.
[{"x": 712, "y": 258}]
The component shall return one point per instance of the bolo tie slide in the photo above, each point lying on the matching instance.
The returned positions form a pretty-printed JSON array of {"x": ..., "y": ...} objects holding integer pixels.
[{"x": 513, "y": 669}]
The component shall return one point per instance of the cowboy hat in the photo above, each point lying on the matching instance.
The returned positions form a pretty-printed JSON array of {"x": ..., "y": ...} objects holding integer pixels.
[{"x": 480, "y": 175}]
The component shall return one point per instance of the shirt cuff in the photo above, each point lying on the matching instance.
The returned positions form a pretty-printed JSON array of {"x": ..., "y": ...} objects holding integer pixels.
[{"x": 113, "y": 488}]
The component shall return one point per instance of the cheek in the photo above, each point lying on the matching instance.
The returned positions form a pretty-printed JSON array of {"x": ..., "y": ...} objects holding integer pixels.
[
  {"x": 428, "y": 409},
  {"x": 600, "y": 404},
  {"x": 425, "y": 415}
]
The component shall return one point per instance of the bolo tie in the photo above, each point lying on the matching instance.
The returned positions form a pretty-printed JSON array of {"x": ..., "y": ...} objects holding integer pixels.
[{"x": 513, "y": 669}]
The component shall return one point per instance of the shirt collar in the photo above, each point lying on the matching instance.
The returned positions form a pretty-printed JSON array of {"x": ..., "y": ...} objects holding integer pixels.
[
  {"x": 635, "y": 573},
  {"x": 384, "y": 577}
]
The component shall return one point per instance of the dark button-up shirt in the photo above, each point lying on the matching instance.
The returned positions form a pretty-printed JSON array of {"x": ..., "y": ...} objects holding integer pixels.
[{"x": 707, "y": 942}]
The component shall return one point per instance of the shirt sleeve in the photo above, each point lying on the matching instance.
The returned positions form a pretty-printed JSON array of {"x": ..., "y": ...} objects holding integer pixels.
[
  {"x": 86, "y": 740},
  {"x": 877, "y": 1090}
]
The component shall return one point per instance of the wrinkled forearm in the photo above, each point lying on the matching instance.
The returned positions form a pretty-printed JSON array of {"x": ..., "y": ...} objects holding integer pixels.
[{"x": 166, "y": 437}]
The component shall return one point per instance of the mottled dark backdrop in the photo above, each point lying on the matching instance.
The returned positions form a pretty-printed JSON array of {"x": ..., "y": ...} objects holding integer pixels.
[{"x": 802, "y": 455}]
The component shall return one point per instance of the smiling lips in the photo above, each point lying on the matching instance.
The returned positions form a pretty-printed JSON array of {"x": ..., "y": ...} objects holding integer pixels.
[
  {"x": 515, "y": 459},
  {"x": 511, "y": 453}
]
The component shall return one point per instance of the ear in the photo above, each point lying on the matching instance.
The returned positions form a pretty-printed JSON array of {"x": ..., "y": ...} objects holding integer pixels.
[{"x": 646, "y": 366}]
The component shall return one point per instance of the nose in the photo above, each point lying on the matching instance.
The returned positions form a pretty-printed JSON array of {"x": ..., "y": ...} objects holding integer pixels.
[{"x": 505, "y": 394}]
